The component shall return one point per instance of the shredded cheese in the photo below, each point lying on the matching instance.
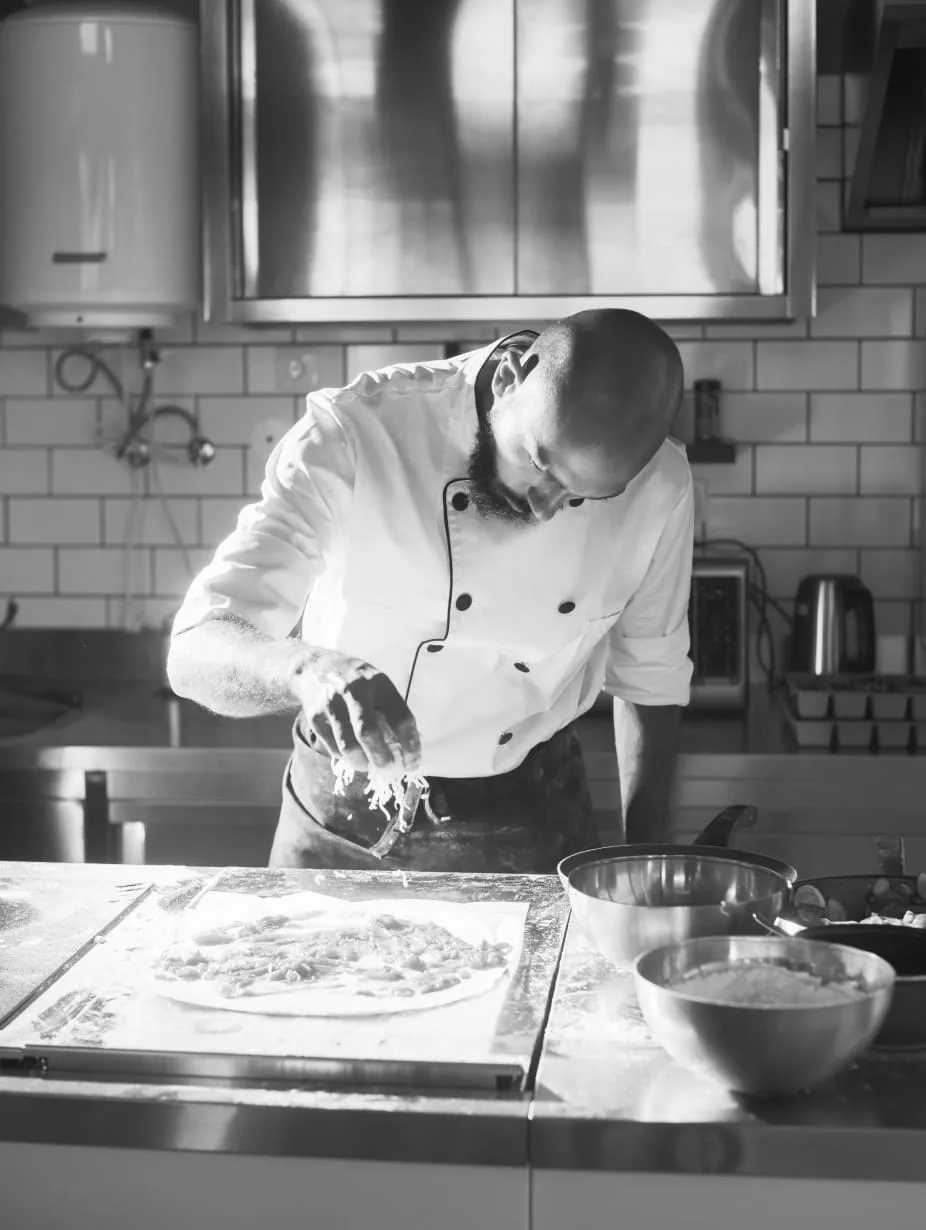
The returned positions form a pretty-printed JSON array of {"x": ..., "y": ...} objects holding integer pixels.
[{"x": 384, "y": 788}]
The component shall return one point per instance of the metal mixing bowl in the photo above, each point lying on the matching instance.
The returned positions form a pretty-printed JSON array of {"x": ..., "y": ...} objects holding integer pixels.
[
  {"x": 627, "y": 900},
  {"x": 766, "y": 1050}
]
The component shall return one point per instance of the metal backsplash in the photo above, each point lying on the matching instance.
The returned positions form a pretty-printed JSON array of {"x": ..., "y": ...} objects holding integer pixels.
[{"x": 501, "y": 159}]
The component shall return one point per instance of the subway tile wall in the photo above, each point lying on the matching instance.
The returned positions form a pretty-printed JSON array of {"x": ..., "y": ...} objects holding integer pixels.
[{"x": 826, "y": 414}]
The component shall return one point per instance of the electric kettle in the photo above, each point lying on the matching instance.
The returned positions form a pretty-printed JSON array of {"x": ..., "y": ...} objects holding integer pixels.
[{"x": 834, "y": 626}]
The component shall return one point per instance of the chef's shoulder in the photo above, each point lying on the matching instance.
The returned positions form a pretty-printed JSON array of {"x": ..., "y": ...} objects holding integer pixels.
[
  {"x": 387, "y": 392},
  {"x": 667, "y": 479}
]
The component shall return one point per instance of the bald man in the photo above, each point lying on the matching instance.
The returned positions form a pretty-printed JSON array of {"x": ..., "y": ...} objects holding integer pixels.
[{"x": 449, "y": 561}]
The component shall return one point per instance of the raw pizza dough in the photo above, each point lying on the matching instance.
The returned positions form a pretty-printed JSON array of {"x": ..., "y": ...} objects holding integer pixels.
[{"x": 330, "y": 964}]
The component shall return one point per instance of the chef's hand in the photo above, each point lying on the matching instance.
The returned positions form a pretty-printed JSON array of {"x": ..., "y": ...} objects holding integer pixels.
[{"x": 358, "y": 714}]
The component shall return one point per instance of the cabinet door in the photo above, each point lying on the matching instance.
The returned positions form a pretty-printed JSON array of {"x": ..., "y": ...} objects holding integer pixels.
[
  {"x": 376, "y": 147},
  {"x": 649, "y": 147}
]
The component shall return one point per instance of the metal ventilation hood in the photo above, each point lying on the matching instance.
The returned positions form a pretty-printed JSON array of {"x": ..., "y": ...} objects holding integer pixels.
[{"x": 888, "y": 189}]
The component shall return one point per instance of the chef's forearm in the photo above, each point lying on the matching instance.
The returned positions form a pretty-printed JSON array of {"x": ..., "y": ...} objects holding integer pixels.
[
  {"x": 646, "y": 738},
  {"x": 228, "y": 666}
]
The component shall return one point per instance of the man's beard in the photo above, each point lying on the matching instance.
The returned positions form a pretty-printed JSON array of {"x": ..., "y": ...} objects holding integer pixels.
[{"x": 487, "y": 494}]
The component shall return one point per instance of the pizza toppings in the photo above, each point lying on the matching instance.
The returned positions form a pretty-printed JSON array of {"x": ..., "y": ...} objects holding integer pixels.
[
  {"x": 384, "y": 787},
  {"x": 381, "y": 956}
]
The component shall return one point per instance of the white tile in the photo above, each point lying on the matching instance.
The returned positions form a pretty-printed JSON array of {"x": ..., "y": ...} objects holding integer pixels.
[
  {"x": 806, "y": 469},
  {"x": 890, "y": 574},
  {"x": 850, "y": 141},
  {"x": 839, "y": 260},
  {"x": 829, "y": 153},
  {"x": 173, "y": 573},
  {"x": 223, "y": 476},
  {"x": 51, "y": 421},
  {"x": 829, "y": 205},
  {"x": 99, "y": 570},
  {"x": 919, "y": 417},
  {"x": 855, "y": 97},
  {"x": 727, "y": 479},
  {"x": 891, "y": 469},
  {"x": 829, "y": 98},
  {"x": 23, "y": 373},
  {"x": 199, "y": 369},
  {"x": 23, "y": 471},
  {"x": 152, "y": 527},
  {"x": 866, "y": 521},
  {"x": 919, "y": 312},
  {"x": 361, "y": 359},
  {"x": 757, "y": 330},
  {"x": 776, "y": 418},
  {"x": 54, "y": 521},
  {"x": 899, "y": 259},
  {"x": 26, "y": 570},
  {"x": 728, "y": 362},
  {"x": 62, "y": 613},
  {"x": 243, "y": 335},
  {"x": 348, "y": 332},
  {"x": 784, "y": 568},
  {"x": 157, "y": 613},
  {"x": 217, "y": 519},
  {"x": 893, "y": 365},
  {"x": 759, "y": 521},
  {"x": 860, "y": 417},
  {"x": 863, "y": 311},
  {"x": 88, "y": 471},
  {"x": 892, "y": 618},
  {"x": 232, "y": 420},
  {"x": 294, "y": 369},
  {"x": 255, "y": 468},
  {"x": 807, "y": 365}
]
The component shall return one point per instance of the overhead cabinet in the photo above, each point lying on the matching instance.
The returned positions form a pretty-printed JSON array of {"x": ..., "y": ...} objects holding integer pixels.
[{"x": 507, "y": 159}]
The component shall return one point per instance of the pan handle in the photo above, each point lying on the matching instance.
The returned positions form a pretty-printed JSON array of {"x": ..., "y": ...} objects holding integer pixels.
[{"x": 721, "y": 829}]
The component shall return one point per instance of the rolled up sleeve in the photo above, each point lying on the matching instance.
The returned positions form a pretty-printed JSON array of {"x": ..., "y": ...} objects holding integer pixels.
[
  {"x": 648, "y": 662},
  {"x": 264, "y": 570}
]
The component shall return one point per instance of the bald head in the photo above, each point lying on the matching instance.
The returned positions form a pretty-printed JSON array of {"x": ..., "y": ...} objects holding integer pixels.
[
  {"x": 578, "y": 415},
  {"x": 613, "y": 378}
]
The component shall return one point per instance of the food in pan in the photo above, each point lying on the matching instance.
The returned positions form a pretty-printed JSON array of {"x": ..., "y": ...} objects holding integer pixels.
[
  {"x": 760, "y": 984},
  {"x": 890, "y": 902},
  {"x": 329, "y": 964}
]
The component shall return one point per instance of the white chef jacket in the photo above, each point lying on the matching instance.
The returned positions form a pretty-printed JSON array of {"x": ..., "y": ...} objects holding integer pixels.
[{"x": 497, "y": 634}]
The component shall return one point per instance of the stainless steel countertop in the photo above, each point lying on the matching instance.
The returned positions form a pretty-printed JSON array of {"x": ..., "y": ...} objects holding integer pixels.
[
  {"x": 478, "y": 1127},
  {"x": 608, "y": 1098}
]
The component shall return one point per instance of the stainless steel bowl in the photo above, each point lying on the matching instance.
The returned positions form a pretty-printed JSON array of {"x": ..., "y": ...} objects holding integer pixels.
[
  {"x": 629, "y": 902},
  {"x": 765, "y": 1050}
]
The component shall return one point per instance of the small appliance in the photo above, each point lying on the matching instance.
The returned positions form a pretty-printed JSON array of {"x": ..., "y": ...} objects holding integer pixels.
[
  {"x": 834, "y": 626},
  {"x": 717, "y": 620}
]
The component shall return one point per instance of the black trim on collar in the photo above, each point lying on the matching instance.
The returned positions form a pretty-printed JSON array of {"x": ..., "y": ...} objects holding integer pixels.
[{"x": 520, "y": 341}]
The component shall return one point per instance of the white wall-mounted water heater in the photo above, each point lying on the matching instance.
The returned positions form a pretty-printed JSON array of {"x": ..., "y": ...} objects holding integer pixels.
[{"x": 99, "y": 193}]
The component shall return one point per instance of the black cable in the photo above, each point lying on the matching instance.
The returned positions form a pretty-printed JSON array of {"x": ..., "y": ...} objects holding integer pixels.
[
  {"x": 97, "y": 367},
  {"x": 758, "y": 596}
]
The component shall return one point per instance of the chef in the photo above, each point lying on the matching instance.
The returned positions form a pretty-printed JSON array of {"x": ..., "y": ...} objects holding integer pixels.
[{"x": 447, "y": 563}]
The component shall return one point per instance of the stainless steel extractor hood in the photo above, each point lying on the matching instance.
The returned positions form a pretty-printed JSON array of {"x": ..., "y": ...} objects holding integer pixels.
[
  {"x": 508, "y": 159},
  {"x": 888, "y": 189}
]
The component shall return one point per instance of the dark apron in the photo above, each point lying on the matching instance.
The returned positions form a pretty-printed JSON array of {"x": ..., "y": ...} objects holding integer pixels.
[{"x": 522, "y": 821}]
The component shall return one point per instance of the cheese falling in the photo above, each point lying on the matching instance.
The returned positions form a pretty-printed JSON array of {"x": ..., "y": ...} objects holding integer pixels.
[{"x": 385, "y": 787}]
